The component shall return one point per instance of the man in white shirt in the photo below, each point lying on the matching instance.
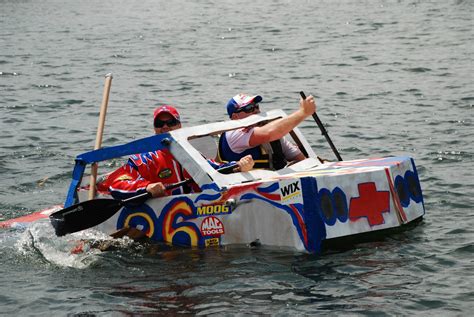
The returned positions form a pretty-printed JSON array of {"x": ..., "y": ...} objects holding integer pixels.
[{"x": 265, "y": 143}]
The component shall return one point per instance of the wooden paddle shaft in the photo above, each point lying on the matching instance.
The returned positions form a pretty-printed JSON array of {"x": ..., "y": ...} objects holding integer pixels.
[{"x": 100, "y": 132}]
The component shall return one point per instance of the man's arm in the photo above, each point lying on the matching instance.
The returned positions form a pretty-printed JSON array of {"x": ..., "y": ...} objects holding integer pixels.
[
  {"x": 277, "y": 129},
  {"x": 291, "y": 151},
  {"x": 126, "y": 182},
  {"x": 245, "y": 164},
  {"x": 299, "y": 157}
]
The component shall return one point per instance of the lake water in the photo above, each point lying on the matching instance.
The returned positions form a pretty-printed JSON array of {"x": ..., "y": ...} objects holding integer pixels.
[{"x": 390, "y": 78}]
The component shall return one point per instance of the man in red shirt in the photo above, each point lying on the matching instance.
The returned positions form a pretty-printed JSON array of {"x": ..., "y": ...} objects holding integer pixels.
[{"x": 151, "y": 171}]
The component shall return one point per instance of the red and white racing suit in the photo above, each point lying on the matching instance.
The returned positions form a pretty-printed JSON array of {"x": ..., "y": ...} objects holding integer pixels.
[{"x": 146, "y": 168}]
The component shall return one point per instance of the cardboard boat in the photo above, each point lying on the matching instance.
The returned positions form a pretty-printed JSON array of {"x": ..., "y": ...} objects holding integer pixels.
[{"x": 300, "y": 206}]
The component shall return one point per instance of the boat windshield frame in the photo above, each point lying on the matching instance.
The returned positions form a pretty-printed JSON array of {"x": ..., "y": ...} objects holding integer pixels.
[
  {"x": 178, "y": 142},
  {"x": 197, "y": 166}
]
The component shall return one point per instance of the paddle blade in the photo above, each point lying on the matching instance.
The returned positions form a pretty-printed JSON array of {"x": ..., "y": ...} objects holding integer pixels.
[{"x": 84, "y": 215}]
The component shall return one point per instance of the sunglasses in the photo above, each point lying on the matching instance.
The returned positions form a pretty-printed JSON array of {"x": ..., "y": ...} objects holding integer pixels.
[
  {"x": 170, "y": 123},
  {"x": 251, "y": 107}
]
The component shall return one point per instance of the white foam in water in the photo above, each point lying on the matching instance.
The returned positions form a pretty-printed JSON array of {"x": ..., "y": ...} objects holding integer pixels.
[{"x": 40, "y": 238}]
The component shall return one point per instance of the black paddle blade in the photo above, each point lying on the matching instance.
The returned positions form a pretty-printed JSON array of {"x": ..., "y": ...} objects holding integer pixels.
[{"x": 84, "y": 215}]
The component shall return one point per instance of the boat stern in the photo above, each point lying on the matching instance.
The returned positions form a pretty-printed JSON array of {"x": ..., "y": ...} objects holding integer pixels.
[{"x": 363, "y": 196}]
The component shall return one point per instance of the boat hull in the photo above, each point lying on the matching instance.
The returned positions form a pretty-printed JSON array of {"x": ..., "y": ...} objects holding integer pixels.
[{"x": 299, "y": 210}]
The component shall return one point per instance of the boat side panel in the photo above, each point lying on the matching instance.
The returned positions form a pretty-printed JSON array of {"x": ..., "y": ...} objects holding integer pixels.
[
  {"x": 362, "y": 196},
  {"x": 241, "y": 215},
  {"x": 314, "y": 223},
  {"x": 356, "y": 203},
  {"x": 404, "y": 182},
  {"x": 331, "y": 202}
]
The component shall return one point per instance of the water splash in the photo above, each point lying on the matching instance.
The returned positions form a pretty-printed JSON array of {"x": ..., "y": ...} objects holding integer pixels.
[{"x": 79, "y": 250}]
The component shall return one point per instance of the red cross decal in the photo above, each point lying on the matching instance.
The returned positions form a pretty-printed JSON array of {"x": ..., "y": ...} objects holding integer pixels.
[{"x": 370, "y": 203}]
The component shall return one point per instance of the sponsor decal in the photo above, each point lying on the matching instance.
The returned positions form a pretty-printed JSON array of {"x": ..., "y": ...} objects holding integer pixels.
[
  {"x": 165, "y": 173},
  {"x": 144, "y": 158},
  {"x": 290, "y": 191},
  {"x": 213, "y": 210},
  {"x": 371, "y": 204},
  {"x": 212, "y": 242},
  {"x": 124, "y": 177},
  {"x": 212, "y": 226}
]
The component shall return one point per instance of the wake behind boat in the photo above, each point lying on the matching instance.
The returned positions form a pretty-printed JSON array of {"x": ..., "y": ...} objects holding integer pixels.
[{"x": 300, "y": 206}]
